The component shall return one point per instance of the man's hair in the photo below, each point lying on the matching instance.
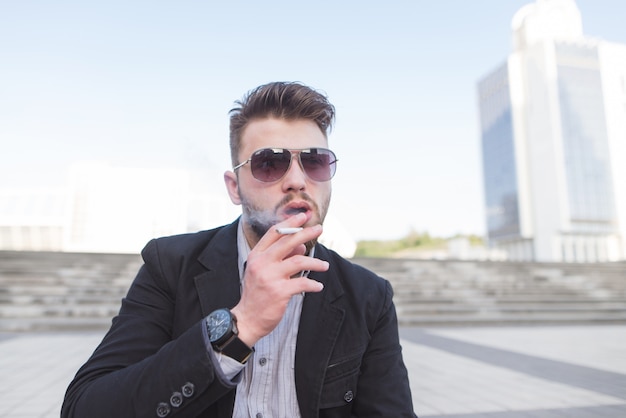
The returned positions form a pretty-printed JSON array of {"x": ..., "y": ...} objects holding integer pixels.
[{"x": 282, "y": 100}]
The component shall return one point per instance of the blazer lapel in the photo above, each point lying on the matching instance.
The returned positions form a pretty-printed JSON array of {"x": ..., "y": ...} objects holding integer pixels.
[
  {"x": 219, "y": 286},
  {"x": 320, "y": 323}
]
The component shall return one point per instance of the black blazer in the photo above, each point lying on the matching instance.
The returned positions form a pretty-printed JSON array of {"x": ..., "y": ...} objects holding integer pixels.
[{"x": 348, "y": 356}]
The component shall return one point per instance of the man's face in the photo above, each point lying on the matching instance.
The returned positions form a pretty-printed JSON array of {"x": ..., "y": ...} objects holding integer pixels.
[{"x": 265, "y": 204}]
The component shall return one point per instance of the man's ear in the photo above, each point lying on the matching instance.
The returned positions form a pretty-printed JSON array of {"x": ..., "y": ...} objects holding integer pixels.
[{"x": 232, "y": 182}]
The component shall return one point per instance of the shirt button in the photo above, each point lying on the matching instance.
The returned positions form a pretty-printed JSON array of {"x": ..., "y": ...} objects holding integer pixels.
[
  {"x": 188, "y": 390},
  {"x": 176, "y": 399},
  {"x": 259, "y": 415},
  {"x": 163, "y": 410},
  {"x": 262, "y": 362},
  {"x": 348, "y": 396}
]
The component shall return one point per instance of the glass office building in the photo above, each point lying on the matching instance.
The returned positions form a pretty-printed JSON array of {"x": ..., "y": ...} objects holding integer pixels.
[
  {"x": 553, "y": 122},
  {"x": 501, "y": 194}
]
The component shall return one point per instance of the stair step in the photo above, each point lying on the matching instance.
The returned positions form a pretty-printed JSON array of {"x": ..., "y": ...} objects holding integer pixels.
[
  {"x": 54, "y": 324},
  {"x": 100, "y": 310},
  {"x": 57, "y": 291},
  {"x": 464, "y": 319},
  {"x": 608, "y": 308}
]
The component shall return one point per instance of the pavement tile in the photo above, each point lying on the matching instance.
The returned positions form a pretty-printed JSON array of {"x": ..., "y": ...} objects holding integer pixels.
[
  {"x": 463, "y": 385},
  {"x": 571, "y": 344},
  {"x": 486, "y": 380}
]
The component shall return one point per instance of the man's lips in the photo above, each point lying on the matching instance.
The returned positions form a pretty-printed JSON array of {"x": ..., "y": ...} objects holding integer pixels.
[{"x": 296, "y": 208}]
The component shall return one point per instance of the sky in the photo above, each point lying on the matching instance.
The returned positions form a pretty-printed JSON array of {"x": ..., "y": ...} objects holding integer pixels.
[{"x": 149, "y": 83}]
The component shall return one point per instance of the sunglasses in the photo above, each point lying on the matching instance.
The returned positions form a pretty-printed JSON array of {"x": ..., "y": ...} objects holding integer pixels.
[{"x": 271, "y": 164}]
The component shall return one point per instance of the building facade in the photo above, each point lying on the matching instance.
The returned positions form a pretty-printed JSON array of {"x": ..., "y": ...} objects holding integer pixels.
[{"x": 553, "y": 132}]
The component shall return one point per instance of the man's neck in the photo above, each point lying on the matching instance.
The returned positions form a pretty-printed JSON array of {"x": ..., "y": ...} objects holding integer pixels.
[{"x": 251, "y": 237}]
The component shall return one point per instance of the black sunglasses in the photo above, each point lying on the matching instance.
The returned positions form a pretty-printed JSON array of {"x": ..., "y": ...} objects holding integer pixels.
[{"x": 271, "y": 164}]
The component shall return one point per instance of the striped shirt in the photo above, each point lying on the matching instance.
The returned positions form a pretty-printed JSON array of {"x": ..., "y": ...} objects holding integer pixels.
[{"x": 267, "y": 387}]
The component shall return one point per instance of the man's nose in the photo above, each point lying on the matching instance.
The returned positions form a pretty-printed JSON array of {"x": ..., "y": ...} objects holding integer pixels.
[{"x": 295, "y": 178}]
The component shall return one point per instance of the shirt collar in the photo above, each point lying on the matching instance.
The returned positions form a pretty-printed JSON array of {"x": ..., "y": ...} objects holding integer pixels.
[{"x": 243, "y": 249}]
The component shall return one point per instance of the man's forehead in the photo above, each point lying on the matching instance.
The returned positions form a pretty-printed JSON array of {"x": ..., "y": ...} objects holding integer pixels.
[{"x": 282, "y": 133}]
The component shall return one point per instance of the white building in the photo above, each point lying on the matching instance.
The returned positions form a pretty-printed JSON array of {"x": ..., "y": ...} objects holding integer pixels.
[
  {"x": 553, "y": 122},
  {"x": 101, "y": 209},
  {"x": 119, "y": 209}
]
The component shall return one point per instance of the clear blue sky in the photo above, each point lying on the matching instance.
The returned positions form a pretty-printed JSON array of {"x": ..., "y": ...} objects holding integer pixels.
[{"x": 149, "y": 83}]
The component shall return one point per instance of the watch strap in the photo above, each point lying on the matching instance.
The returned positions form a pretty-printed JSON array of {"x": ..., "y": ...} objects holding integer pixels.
[{"x": 236, "y": 349}]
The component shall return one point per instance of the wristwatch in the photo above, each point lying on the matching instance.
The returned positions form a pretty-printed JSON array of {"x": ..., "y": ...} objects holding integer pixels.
[{"x": 221, "y": 325}]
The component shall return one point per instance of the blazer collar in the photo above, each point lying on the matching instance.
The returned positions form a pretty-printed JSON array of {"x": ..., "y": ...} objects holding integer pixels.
[{"x": 219, "y": 286}]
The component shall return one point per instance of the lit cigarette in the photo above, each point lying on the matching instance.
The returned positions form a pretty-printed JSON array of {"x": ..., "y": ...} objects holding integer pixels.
[{"x": 288, "y": 231}]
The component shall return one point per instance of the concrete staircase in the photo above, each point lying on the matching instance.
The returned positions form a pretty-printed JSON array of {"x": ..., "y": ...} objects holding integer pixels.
[
  {"x": 473, "y": 293},
  {"x": 76, "y": 291},
  {"x": 62, "y": 291}
]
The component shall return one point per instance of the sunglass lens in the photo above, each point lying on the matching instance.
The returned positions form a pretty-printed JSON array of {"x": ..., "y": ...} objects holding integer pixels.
[
  {"x": 270, "y": 164},
  {"x": 318, "y": 163}
]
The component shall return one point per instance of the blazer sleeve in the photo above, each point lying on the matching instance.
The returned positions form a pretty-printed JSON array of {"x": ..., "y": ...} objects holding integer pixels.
[
  {"x": 139, "y": 367},
  {"x": 383, "y": 386}
]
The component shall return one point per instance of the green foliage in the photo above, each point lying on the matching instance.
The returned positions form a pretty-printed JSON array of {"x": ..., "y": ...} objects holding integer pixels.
[
  {"x": 376, "y": 248},
  {"x": 474, "y": 240},
  {"x": 413, "y": 240}
]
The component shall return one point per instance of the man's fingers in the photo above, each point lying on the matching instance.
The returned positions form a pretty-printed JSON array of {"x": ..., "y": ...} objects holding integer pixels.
[
  {"x": 299, "y": 263},
  {"x": 304, "y": 284},
  {"x": 299, "y": 250}
]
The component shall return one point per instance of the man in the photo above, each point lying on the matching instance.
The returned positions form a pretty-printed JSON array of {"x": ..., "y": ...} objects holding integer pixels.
[{"x": 254, "y": 319}]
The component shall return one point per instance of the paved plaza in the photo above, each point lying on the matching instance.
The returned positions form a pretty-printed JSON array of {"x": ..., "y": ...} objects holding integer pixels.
[{"x": 520, "y": 372}]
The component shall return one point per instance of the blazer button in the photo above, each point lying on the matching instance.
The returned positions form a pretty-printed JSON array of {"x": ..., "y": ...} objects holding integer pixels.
[
  {"x": 176, "y": 399},
  {"x": 348, "y": 396},
  {"x": 188, "y": 389},
  {"x": 163, "y": 410}
]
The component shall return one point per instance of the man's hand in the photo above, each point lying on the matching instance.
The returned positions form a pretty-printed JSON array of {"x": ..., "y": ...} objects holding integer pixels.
[{"x": 268, "y": 284}]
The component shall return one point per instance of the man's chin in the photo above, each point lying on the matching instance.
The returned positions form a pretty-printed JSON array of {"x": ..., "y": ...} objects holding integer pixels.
[
  {"x": 259, "y": 230},
  {"x": 309, "y": 246}
]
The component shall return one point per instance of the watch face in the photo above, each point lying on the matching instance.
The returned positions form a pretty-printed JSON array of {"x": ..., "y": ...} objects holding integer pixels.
[{"x": 219, "y": 323}]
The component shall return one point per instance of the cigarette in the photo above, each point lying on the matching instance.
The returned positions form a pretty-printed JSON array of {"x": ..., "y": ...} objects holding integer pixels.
[{"x": 288, "y": 231}]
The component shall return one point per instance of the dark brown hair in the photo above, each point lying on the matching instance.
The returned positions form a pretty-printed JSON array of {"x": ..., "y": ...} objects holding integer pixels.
[{"x": 283, "y": 100}]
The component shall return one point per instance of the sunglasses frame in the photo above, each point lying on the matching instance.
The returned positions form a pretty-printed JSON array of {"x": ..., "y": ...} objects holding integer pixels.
[{"x": 292, "y": 152}]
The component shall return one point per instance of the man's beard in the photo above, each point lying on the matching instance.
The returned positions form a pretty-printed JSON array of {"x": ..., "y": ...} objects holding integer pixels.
[{"x": 261, "y": 220}]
